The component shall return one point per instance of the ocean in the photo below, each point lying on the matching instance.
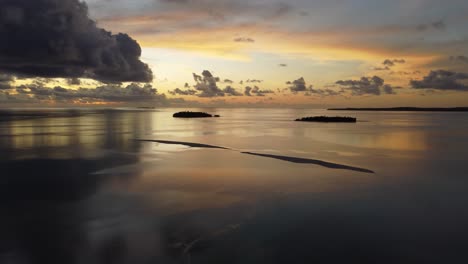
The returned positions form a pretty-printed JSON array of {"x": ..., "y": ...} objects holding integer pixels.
[{"x": 252, "y": 186}]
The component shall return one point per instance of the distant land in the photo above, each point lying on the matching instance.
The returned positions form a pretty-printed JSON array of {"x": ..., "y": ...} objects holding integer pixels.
[{"x": 413, "y": 109}]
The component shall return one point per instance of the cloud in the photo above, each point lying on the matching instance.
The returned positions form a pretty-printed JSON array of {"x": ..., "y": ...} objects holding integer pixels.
[
  {"x": 254, "y": 81},
  {"x": 115, "y": 93},
  {"x": 322, "y": 92},
  {"x": 74, "y": 81},
  {"x": 404, "y": 72},
  {"x": 178, "y": 91},
  {"x": 256, "y": 91},
  {"x": 298, "y": 85},
  {"x": 386, "y": 68},
  {"x": 247, "y": 91},
  {"x": 259, "y": 92},
  {"x": 388, "y": 89},
  {"x": 283, "y": 65},
  {"x": 231, "y": 91},
  {"x": 50, "y": 38},
  {"x": 367, "y": 86},
  {"x": 442, "y": 80},
  {"x": 206, "y": 84},
  {"x": 438, "y": 25},
  {"x": 459, "y": 58},
  {"x": 5, "y": 81},
  {"x": 391, "y": 63},
  {"x": 246, "y": 40}
]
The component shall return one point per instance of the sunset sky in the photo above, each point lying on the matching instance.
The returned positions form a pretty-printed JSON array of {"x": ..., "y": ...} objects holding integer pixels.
[{"x": 234, "y": 53}]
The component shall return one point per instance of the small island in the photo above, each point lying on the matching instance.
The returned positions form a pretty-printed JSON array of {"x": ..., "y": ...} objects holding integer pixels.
[
  {"x": 189, "y": 114},
  {"x": 328, "y": 119}
]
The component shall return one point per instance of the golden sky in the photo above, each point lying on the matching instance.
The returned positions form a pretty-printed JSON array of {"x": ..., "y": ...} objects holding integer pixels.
[{"x": 298, "y": 53}]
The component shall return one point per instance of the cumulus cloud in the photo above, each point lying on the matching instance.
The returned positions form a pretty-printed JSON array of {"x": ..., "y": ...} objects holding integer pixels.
[
  {"x": 298, "y": 85},
  {"x": 367, "y": 86},
  {"x": 442, "y": 80},
  {"x": 207, "y": 85},
  {"x": 50, "y": 38},
  {"x": 246, "y": 40}
]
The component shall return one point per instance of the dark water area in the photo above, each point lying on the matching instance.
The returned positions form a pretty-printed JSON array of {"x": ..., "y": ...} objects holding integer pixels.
[{"x": 115, "y": 187}]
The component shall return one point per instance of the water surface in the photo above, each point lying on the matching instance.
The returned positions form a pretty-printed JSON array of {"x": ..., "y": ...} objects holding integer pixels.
[{"x": 86, "y": 189}]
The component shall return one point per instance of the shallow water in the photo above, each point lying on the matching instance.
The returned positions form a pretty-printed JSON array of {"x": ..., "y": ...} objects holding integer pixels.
[{"x": 86, "y": 189}]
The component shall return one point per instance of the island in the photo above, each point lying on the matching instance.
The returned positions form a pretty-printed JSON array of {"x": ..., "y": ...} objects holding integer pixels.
[
  {"x": 189, "y": 114},
  {"x": 406, "y": 109},
  {"x": 328, "y": 119}
]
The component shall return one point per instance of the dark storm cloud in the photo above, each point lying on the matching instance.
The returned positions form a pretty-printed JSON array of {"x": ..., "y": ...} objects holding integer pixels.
[
  {"x": 442, "y": 80},
  {"x": 367, "y": 86},
  {"x": 247, "y": 40},
  {"x": 391, "y": 63},
  {"x": 51, "y": 38},
  {"x": 107, "y": 93},
  {"x": 178, "y": 91}
]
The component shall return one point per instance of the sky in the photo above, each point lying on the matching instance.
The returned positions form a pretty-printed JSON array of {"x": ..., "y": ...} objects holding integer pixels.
[{"x": 299, "y": 53}]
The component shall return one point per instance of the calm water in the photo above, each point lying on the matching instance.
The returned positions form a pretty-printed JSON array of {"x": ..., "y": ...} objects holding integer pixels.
[{"x": 83, "y": 189}]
